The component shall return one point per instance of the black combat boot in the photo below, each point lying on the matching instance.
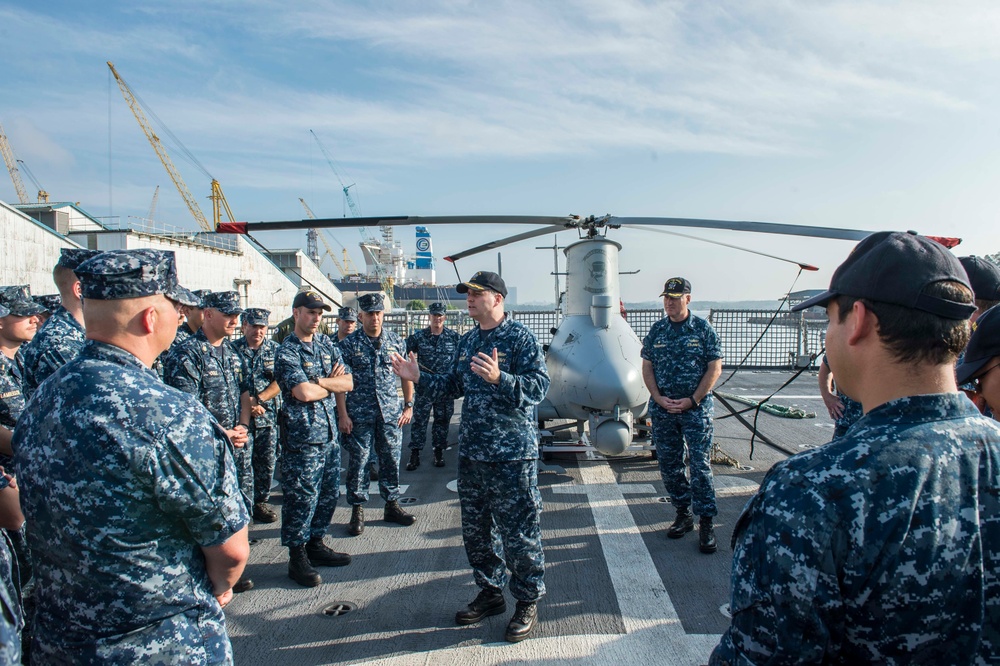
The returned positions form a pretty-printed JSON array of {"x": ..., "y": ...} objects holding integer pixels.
[
  {"x": 438, "y": 457},
  {"x": 414, "y": 460},
  {"x": 523, "y": 622},
  {"x": 395, "y": 514},
  {"x": 357, "y": 524},
  {"x": 263, "y": 513},
  {"x": 299, "y": 568},
  {"x": 487, "y": 602},
  {"x": 321, "y": 555},
  {"x": 244, "y": 584},
  {"x": 707, "y": 543},
  {"x": 683, "y": 524}
]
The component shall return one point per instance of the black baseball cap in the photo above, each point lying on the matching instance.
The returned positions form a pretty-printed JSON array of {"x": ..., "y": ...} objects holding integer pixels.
[
  {"x": 896, "y": 267},
  {"x": 482, "y": 281},
  {"x": 311, "y": 300},
  {"x": 676, "y": 287},
  {"x": 983, "y": 345},
  {"x": 984, "y": 277}
]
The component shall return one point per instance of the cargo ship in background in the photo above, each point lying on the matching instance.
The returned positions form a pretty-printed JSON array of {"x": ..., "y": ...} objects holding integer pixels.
[{"x": 388, "y": 268}]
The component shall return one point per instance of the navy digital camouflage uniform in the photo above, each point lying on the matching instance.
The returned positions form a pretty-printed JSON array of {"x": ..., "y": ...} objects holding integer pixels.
[
  {"x": 498, "y": 452},
  {"x": 259, "y": 366},
  {"x": 851, "y": 413},
  {"x": 216, "y": 377},
  {"x": 436, "y": 354},
  {"x": 310, "y": 456},
  {"x": 11, "y": 398},
  {"x": 125, "y": 479},
  {"x": 880, "y": 547},
  {"x": 680, "y": 354},
  {"x": 55, "y": 344},
  {"x": 374, "y": 406},
  {"x": 61, "y": 338}
]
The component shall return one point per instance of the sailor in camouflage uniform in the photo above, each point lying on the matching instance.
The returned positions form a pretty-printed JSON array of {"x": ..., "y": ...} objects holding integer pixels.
[
  {"x": 435, "y": 347},
  {"x": 982, "y": 358},
  {"x": 207, "y": 367},
  {"x": 60, "y": 339},
  {"x": 11, "y": 612},
  {"x": 191, "y": 303},
  {"x": 880, "y": 547},
  {"x": 138, "y": 530},
  {"x": 501, "y": 372},
  {"x": 17, "y": 327},
  {"x": 347, "y": 321},
  {"x": 286, "y": 326},
  {"x": 370, "y": 416},
  {"x": 51, "y": 303},
  {"x": 681, "y": 360},
  {"x": 309, "y": 370},
  {"x": 842, "y": 408},
  {"x": 984, "y": 277},
  {"x": 258, "y": 353}
]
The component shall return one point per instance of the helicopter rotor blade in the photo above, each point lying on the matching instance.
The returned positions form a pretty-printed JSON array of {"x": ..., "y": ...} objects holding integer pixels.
[
  {"x": 742, "y": 225},
  {"x": 566, "y": 222},
  {"x": 800, "y": 264},
  {"x": 551, "y": 229}
]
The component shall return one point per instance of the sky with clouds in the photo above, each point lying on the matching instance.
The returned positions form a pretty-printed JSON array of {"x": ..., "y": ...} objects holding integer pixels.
[{"x": 871, "y": 115}]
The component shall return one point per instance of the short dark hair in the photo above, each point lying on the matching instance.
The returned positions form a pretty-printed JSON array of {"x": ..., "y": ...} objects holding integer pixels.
[
  {"x": 983, "y": 305},
  {"x": 915, "y": 336}
]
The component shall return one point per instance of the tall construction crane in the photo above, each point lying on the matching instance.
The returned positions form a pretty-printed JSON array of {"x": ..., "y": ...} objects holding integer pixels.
[
  {"x": 344, "y": 266},
  {"x": 219, "y": 203},
  {"x": 11, "y": 162},
  {"x": 312, "y": 248},
  {"x": 43, "y": 196},
  {"x": 385, "y": 280}
]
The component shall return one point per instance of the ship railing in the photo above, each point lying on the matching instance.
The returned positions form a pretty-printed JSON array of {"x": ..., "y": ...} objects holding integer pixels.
[{"x": 750, "y": 339}]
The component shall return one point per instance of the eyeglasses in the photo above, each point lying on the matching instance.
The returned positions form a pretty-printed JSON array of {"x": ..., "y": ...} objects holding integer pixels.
[{"x": 977, "y": 381}]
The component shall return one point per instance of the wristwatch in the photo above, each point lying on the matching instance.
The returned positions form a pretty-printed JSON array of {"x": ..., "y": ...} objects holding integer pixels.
[{"x": 408, "y": 404}]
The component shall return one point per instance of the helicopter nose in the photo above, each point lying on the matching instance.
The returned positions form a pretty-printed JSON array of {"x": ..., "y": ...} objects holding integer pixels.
[{"x": 611, "y": 437}]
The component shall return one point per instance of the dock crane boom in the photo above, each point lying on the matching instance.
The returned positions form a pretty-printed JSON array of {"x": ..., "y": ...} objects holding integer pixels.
[
  {"x": 11, "y": 162},
  {"x": 43, "y": 196},
  {"x": 219, "y": 203},
  {"x": 385, "y": 280}
]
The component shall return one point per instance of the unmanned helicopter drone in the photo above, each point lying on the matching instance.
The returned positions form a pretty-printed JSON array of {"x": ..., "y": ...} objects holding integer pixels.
[{"x": 594, "y": 359}]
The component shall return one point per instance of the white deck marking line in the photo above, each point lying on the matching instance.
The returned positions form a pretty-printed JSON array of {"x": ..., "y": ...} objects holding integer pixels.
[{"x": 642, "y": 597}]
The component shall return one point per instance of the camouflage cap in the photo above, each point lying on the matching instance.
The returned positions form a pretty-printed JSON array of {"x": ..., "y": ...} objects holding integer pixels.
[
  {"x": 4, "y": 311},
  {"x": 347, "y": 314},
  {"x": 71, "y": 257},
  {"x": 437, "y": 308},
  {"x": 119, "y": 274},
  {"x": 256, "y": 316},
  {"x": 188, "y": 297},
  {"x": 371, "y": 303},
  {"x": 226, "y": 302},
  {"x": 17, "y": 299},
  {"x": 201, "y": 294},
  {"x": 48, "y": 301}
]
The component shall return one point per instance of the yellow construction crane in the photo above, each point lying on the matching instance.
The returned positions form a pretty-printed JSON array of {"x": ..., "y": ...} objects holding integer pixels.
[
  {"x": 219, "y": 203},
  {"x": 11, "y": 161}
]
